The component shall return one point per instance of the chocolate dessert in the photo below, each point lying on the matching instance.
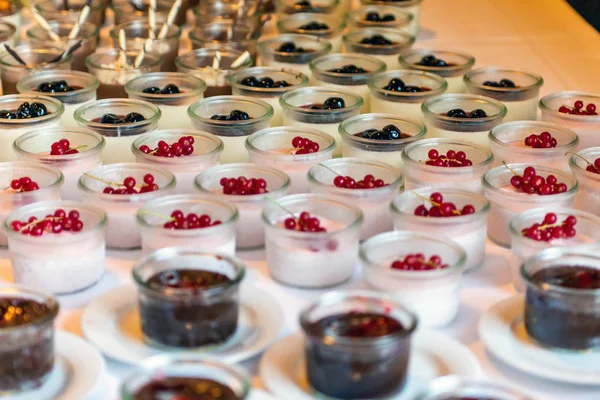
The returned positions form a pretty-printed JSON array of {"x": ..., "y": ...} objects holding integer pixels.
[{"x": 176, "y": 388}]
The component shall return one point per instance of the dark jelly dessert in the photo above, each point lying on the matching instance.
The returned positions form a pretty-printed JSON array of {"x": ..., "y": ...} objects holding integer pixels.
[
  {"x": 290, "y": 47},
  {"x": 348, "y": 69},
  {"x": 504, "y": 83},
  {"x": 375, "y": 17},
  {"x": 377, "y": 40},
  {"x": 264, "y": 82},
  {"x": 314, "y": 26},
  {"x": 234, "y": 115},
  {"x": 389, "y": 132},
  {"x": 331, "y": 103},
  {"x": 168, "y": 89},
  {"x": 120, "y": 119},
  {"x": 25, "y": 111},
  {"x": 398, "y": 85},
  {"x": 460, "y": 113},
  {"x": 432, "y": 61},
  {"x": 56, "y": 87},
  {"x": 185, "y": 388}
]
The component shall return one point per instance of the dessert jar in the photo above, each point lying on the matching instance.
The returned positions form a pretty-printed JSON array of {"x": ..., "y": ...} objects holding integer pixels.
[
  {"x": 188, "y": 298},
  {"x": 432, "y": 294},
  {"x": 138, "y": 36},
  {"x": 26, "y": 346},
  {"x": 216, "y": 10},
  {"x": 311, "y": 259},
  {"x": 561, "y": 301},
  {"x": 185, "y": 373},
  {"x": 158, "y": 230},
  {"x": 468, "y": 230},
  {"x": 36, "y": 146},
  {"x": 232, "y": 132},
  {"x": 474, "y": 130},
  {"x": 53, "y": 10},
  {"x": 356, "y": 144},
  {"x": 366, "y": 363},
  {"x": 200, "y": 63},
  {"x": 297, "y": 111},
  {"x": 412, "y": 7},
  {"x": 276, "y": 52},
  {"x": 104, "y": 65},
  {"x": 118, "y": 136},
  {"x": 206, "y": 151},
  {"x": 407, "y": 102},
  {"x": 400, "y": 42},
  {"x": 520, "y": 98},
  {"x": 507, "y": 201},
  {"x": 325, "y": 26},
  {"x": 173, "y": 106},
  {"x": 586, "y": 126},
  {"x": 60, "y": 263},
  {"x": 122, "y": 232},
  {"x": 417, "y": 173},
  {"x": 249, "y": 230},
  {"x": 225, "y": 34},
  {"x": 84, "y": 93},
  {"x": 126, "y": 11},
  {"x": 587, "y": 197},
  {"x": 452, "y": 67},
  {"x": 329, "y": 71},
  {"x": 287, "y": 7},
  {"x": 37, "y": 58},
  {"x": 48, "y": 179},
  {"x": 587, "y": 232},
  {"x": 10, "y": 129},
  {"x": 374, "y": 202},
  {"x": 270, "y": 95},
  {"x": 394, "y": 18},
  {"x": 7, "y": 33},
  {"x": 274, "y": 147},
  {"x": 453, "y": 387}
]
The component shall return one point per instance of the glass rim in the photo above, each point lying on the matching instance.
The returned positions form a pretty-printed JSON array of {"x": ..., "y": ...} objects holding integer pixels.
[
  {"x": 151, "y": 60},
  {"x": 545, "y": 108},
  {"x": 207, "y": 52},
  {"x": 17, "y": 144},
  {"x": 575, "y": 167},
  {"x": 263, "y": 45},
  {"x": 282, "y": 24},
  {"x": 24, "y": 122},
  {"x": 77, "y": 115},
  {"x": 449, "y": 97},
  {"x": 467, "y": 78},
  {"x": 229, "y": 99},
  {"x": 408, "y": 95},
  {"x": 94, "y": 30},
  {"x": 319, "y": 89},
  {"x": 542, "y": 211},
  {"x": 289, "y": 157},
  {"x": 174, "y": 31},
  {"x": 199, "y": 90},
  {"x": 235, "y": 83},
  {"x": 451, "y": 385},
  {"x": 468, "y": 64},
  {"x": 408, "y": 41},
  {"x": 492, "y": 135},
  {"x": 135, "y": 145},
  {"x": 55, "y": 74},
  {"x": 444, "y": 170},
  {"x": 36, "y": 49},
  {"x": 7, "y": 289},
  {"x": 363, "y": 76}
]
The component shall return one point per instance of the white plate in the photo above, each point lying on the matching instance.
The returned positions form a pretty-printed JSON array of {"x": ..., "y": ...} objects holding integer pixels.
[
  {"x": 282, "y": 367},
  {"x": 78, "y": 372},
  {"x": 112, "y": 324},
  {"x": 503, "y": 334}
]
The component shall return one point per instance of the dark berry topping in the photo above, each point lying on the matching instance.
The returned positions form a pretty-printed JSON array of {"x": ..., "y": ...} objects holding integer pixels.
[
  {"x": 451, "y": 159},
  {"x": 375, "y": 17},
  {"x": 6, "y": 114},
  {"x": 17, "y": 312},
  {"x": 152, "y": 90},
  {"x": 303, "y": 3},
  {"x": 133, "y": 117},
  {"x": 389, "y": 132},
  {"x": 398, "y": 85},
  {"x": 418, "y": 262},
  {"x": 168, "y": 89},
  {"x": 440, "y": 208},
  {"x": 333, "y": 103},
  {"x": 304, "y": 145},
  {"x": 460, "y": 113},
  {"x": 504, "y": 83},
  {"x": 54, "y": 223},
  {"x": 110, "y": 119},
  {"x": 264, "y": 82},
  {"x": 235, "y": 115},
  {"x": 314, "y": 26},
  {"x": 432, "y": 61},
  {"x": 578, "y": 109},
  {"x": 120, "y": 119},
  {"x": 348, "y": 69},
  {"x": 569, "y": 276},
  {"x": 25, "y": 111},
  {"x": 542, "y": 141},
  {"x": 358, "y": 325},
  {"x": 182, "y": 147},
  {"x": 23, "y": 184},
  {"x": 290, "y": 47},
  {"x": 243, "y": 186},
  {"x": 55, "y": 87},
  {"x": 304, "y": 223},
  {"x": 185, "y": 388},
  {"x": 187, "y": 279},
  {"x": 377, "y": 40},
  {"x": 549, "y": 229},
  {"x": 129, "y": 185},
  {"x": 531, "y": 183}
]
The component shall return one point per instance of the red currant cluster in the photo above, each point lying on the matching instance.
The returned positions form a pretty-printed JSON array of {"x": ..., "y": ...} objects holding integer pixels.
[
  {"x": 594, "y": 167},
  {"x": 63, "y": 146},
  {"x": 179, "y": 220},
  {"x": 51, "y": 223},
  {"x": 577, "y": 109},
  {"x": 182, "y": 147},
  {"x": 304, "y": 145},
  {"x": 242, "y": 186},
  {"x": 451, "y": 159},
  {"x": 368, "y": 182},
  {"x": 549, "y": 229},
  {"x": 542, "y": 141},
  {"x": 24, "y": 184},
  {"x": 439, "y": 208},
  {"x": 532, "y": 183},
  {"x": 418, "y": 262},
  {"x": 128, "y": 186},
  {"x": 305, "y": 223}
]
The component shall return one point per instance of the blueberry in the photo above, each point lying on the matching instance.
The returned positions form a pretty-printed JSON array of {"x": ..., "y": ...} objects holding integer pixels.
[
  {"x": 457, "y": 113},
  {"x": 60, "y": 86},
  {"x": 134, "y": 117},
  {"x": 491, "y": 83},
  {"x": 507, "y": 83},
  {"x": 280, "y": 84},
  {"x": 392, "y": 131},
  {"x": 5, "y": 114},
  {"x": 24, "y": 111},
  {"x": 170, "y": 89},
  {"x": 333, "y": 103},
  {"x": 238, "y": 115},
  {"x": 250, "y": 81},
  {"x": 378, "y": 40},
  {"x": 432, "y": 61},
  {"x": 395, "y": 85},
  {"x": 314, "y": 26},
  {"x": 303, "y": 3},
  {"x": 37, "y": 110},
  {"x": 45, "y": 87},
  {"x": 218, "y": 117},
  {"x": 373, "y": 16},
  {"x": 348, "y": 69},
  {"x": 367, "y": 134},
  {"x": 388, "y": 18},
  {"x": 478, "y": 113},
  {"x": 377, "y": 135},
  {"x": 289, "y": 47},
  {"x": 110, "y": 119},
  {"x": 266, "y": 82},
  {"x": 151, "y": 90}
]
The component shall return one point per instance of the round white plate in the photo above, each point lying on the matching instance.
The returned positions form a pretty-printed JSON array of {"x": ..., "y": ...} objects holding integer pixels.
[
  {"x": 503, "y": 334},
  {"x": 112, "y": 324},
  {"x": 78, "y": 371},
  {"x": 282, "y": 367}
]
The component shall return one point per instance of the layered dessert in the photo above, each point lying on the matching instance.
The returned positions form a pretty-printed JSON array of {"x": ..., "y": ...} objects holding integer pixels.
[
  {"x": 329, "y": 27},
  {"x": 58, "y": 10},
  {"x": 380, "y": 16},
  {"x": 222, "y": 34},
  {"x": 586, "y": 166},
  {"x": 383, "y": 43}
]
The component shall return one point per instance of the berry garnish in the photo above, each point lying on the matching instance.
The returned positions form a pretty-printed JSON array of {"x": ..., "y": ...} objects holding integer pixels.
[
  {"x": 314, "y": 26},
  {"x": 504, "y": 83},
  {"x": 460, "y": 113},
  {"x": 439, "y": 208},
  {"x": 184, "y": 146},
  {"x": 304, "y": 145},
  {"x": 418, "y": 262},
  {"x": 591, "y": 167},
  {"x": 375, "y": 17},
  {"x": 542, "y": 141},
  {"x": 55, "y": 87},
  {"x": 24, "y": 184},
  {"x": 55, "y": 223},
  {"x": 63, "y": 146},
  {"x": 451, "y": 159},
  {"x": 531, "y": 183},
  {"x": 290, "y": 47},
  {"x": 331, "y": 103},
  {"x": 128, "y": 186},
  {"x": 398, "y": 85},
  {"x": 178, "y": 220},
  {"x": 119, "y": 119},
  {"x": 304, "y": 223},
  {"x": 348, "y": 69},
  {"x": 432, "y": 61},
  {"x": 242, "y": 186},
  {"x": 168, "y": 89},
  {"x": 549, "y": 229},
  {"x": 25, "y": 111},
  {"x": 303, "y": 4},
  {"x": 377, "y": 40},
  {"x": 347, "y": 182},
  {"x": 577, "y": 109},
  {"x": 264, "y": 82},
  {"x": 235, "y": 115},
  {"x": 389, "y": 132}
]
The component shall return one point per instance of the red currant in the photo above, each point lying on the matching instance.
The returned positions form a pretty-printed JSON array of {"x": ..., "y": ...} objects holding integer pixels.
[
  {"x": 451, "y": 159},
  {"x": 241, "y": 186},
  {"x": 549, "y": 228}
]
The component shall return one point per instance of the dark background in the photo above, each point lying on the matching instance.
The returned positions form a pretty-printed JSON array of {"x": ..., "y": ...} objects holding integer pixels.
[{"x": 589, "y": 9}]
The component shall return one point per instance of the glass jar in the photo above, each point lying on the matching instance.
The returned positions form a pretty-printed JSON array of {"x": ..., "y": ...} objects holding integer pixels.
[
  {"x": 387, "y": 53},
  {"x": 410, "y": 6},
  {"x": 588, "y": 196},
  {"x": 126, "y": 11},
  {"x": 8, "y": 33},
  {"x": 217, "y": 11},
  {"x": 453, "y": 387},
  {"x": 53, "y": 10},
  {"x": 287, "y": 7},
  {"x": 225, "y": 34},
  {"x": 334, "y": 27},
  {"x": 401, "y": 19}
]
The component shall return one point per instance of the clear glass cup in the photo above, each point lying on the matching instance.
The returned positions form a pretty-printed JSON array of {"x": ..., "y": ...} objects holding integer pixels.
[
  {"x": 225, "y": 34},
  {"x": 232, "y": 133},
  {"x": 458, "y": 64},
  {"x": 410, "y": 6},
  {"x": 199, "y": 63},
  {"x": 183, "y": 318},
  {"x": 404, "y": 104},
  {"x": 507, "y": 202},
  {"x": 122, "y": 232},
  {"x": 402, "y": 19},
  {"x": 249, "y": 230},
  {"x": 587, "y": 197},
  {"x": 507, "y": 142},
  {"x": 297, "y": 114},
  {"x": 335, "y": 27},
  {"x": 273, "y": 147},
  {"x": 125, "y": 11},
  {"x": 35, "y": 147},
  {"x": 37, "y": 57},
  {"x": 287, "y": 7},
  {"x": 268, "y": 95},
  {"x": 137, "y": 34},
  {"x": 586, "y": 126},
  {"x": 119, "y": 137},
  {"x": 85, "y": 86},
  {"x": 453, "y": 387},
  {"x": 55, "y": 10},
  {"x": 433, "y": 295},
  {"x": 8, "y": 33},
  {"x": 374, "y": 203},
  {"x": 29, "y": 347},
  {"x": 62, "y": 263},
  {"x": 401, "y": 42},
  {"x": 173, "y": 106},
  {"x": 104, "y": 65},
  {"x": 473, "y": 130},
  {"x": 418, "y": 174},
  {"x": 219, "y": 238},
  {"x": 469, "y": 231},
  {"x": 350, "y": 367},
  {"x": 216, "y": 10},
  {"x": 207, "y": 150}
]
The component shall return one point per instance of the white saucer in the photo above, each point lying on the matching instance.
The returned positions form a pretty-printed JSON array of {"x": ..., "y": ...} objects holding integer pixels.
[
  {"x": 78, "y": 372},
  {"x": 112, "y": 324},
  {"x": 282, "y": 367},
  {"x": 503, "y": 334}
]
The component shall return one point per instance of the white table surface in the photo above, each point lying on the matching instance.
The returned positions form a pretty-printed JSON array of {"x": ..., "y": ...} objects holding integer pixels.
[{"x": 545, "y": 36}]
